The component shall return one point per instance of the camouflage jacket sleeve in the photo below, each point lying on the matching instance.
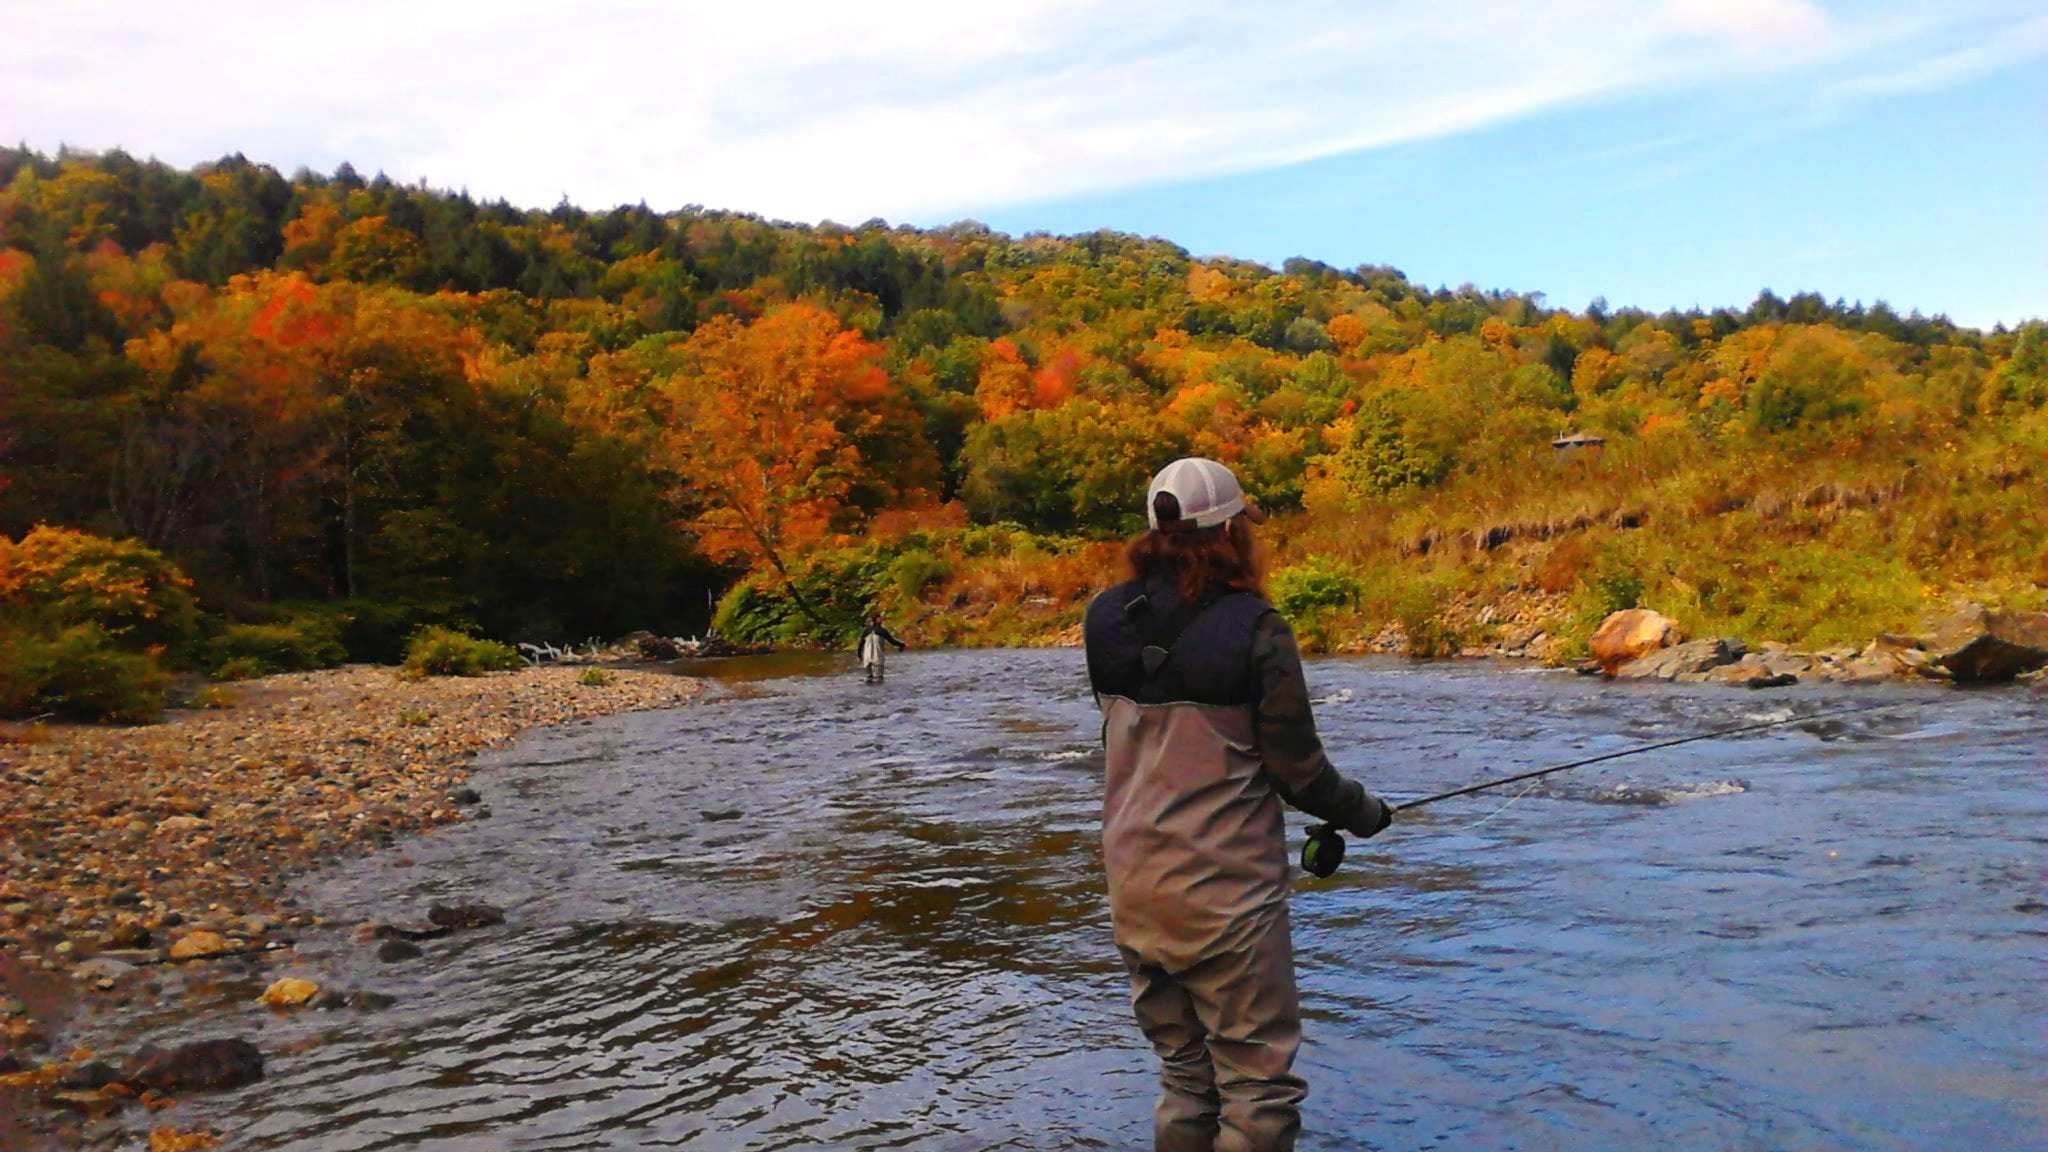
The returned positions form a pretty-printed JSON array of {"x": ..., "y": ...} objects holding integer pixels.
[{"x": 1294, "y": 756}]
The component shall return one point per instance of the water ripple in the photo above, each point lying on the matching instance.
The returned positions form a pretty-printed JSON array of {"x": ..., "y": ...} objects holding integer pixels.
[{"x": 815, "y": 914}]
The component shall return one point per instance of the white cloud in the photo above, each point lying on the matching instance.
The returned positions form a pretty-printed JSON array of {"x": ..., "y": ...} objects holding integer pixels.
[
  {"x": 808, "y": 110},
  {"x": 1751, "y": 25},
  {"x": 2013, "y": 44}
]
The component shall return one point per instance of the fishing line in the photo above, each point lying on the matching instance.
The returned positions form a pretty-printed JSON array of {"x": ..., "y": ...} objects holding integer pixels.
[
  {"x": 1720, "y": 734},
  {"x": 1323, "y": 852},
  {"x": 1497, "y": 811}
]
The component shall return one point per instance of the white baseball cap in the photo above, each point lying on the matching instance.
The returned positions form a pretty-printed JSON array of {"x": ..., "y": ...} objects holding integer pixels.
[{"x": 1206, "y": 491}]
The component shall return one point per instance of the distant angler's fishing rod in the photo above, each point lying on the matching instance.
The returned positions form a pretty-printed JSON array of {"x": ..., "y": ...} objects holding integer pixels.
[{"x": 1324, "y": 850}]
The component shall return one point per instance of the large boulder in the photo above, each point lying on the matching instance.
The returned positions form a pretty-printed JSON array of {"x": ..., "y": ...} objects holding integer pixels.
[
  {"x": 1691, "y": 659},
  {"x": 1977, "y": 645},
  {"x": 1631, "y": 634}
]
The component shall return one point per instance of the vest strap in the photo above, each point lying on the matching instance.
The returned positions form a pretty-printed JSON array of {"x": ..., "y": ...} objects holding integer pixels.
[{"x": 1162, "y": 632}]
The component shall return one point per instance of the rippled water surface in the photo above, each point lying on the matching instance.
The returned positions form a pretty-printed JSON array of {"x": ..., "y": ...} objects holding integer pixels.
[{"x": 815, "y": 914}]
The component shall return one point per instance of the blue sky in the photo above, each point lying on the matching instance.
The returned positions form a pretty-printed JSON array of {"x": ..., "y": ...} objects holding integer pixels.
[
  {"x": 1935, "y": 200},
  {"x": 1654, "y": 152}
]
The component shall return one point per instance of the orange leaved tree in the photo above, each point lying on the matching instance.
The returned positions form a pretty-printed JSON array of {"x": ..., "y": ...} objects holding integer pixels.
[{"x": 777, "y": 428}]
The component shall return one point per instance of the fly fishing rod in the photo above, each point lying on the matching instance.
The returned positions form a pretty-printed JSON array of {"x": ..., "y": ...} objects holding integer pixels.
[{"x": 1324, "y": 850}]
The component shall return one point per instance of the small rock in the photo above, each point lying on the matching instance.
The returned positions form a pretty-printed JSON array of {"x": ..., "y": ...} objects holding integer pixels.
[
  {"x": 719, "y": 815},
  {"x": 98, "y": 1102},
  {"x": 290, "y": 992},
  {"x": 363, "y": 1000},
  {"x": 203, "y": 1065},
  {"x": 90, "y": 1076},
  {"x": 394, "y": 951},
  {"x": 179, "y": 825},
  {"x": 1753, "y": 673},
  {"x": 456, "y": 916},
  {"x": 1689, "y": 659},
  {"x": 102, "y": 968},
  {"x": 129, "y": 934},
  {"x": 465, "y": 796},
  {"x": 175, "y": 1140},
  {"x": 200, "y": 943},
  {"x": 409, "y": 931}
]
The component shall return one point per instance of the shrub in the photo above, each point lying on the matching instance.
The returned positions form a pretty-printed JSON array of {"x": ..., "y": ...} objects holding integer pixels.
[
  {"x": 1562, "y": 565},
  {"x": 212, "y": 697},
  {"x": 838, "y": 585},
  {"x": 414, "y": 717},
  {"x": 1314, "y": 584},
  {"x": 299, "y": 644},
  {"x": 916, "y": 570},
  {"x": 1616, "y": 589},
  {"x": 594, "y": 677},
  {"x": 378, "y": 630},
  {"x": 79, "y": 672},
  {"x": 1420, "y": 614},
  {"x": 240, "y": 668},
  {"x": 436, "y": 651},
  {"x": 57, "y": 578}
]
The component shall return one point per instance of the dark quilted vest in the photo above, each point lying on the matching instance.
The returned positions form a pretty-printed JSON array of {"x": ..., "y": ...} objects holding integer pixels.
[{"x": 1211, "y": 662}]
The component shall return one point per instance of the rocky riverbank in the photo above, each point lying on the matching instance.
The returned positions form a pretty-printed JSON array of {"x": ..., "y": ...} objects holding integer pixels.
[
  {"x": 129, "y": 847},
  {"x": 1972, "y": 646}
]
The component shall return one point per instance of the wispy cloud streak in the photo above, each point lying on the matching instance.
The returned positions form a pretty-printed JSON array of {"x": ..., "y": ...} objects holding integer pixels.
[{"x": 808, "y": 110}]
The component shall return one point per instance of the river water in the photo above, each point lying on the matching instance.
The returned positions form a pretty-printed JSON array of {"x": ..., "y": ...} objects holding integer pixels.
[{"x": 814, "y": 914}]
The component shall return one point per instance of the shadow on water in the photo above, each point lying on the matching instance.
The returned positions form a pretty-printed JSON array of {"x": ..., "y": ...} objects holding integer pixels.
[
  {"x": 769, "y": 666},
  {"x": 814, "y": 914}
]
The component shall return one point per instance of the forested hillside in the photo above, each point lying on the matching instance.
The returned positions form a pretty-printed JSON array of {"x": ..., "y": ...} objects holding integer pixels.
[{"x": 399, "y": 406}]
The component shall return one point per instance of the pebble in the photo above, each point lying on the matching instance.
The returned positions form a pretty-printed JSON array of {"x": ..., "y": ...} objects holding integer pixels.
[
  {"x": 199, "y": 943},
  {"x": 467, "y": 915},
  {"x": 90, "y": 1076},
  {"x": 131, "y": 934},
  {"x": 290, "y": 992},
  {"x": 102, "y": 968}
]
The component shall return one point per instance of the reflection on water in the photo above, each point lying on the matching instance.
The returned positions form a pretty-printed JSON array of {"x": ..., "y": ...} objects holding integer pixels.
[{"x": 818, "y": 914}]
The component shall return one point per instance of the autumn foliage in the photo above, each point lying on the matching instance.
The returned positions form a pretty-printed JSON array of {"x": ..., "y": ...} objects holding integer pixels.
[
  {"x": 400, "y": 407},
  {"x": 787, "y": 431}
]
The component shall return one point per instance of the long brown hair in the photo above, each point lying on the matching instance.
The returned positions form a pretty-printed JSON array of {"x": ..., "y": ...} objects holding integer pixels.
[{"x": 1203, "y": 563}]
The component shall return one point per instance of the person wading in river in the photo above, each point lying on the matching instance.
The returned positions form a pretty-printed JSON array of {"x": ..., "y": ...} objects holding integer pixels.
[
  {"x": 872, "y": 638},
  {"x": 1207, "y": 731}
]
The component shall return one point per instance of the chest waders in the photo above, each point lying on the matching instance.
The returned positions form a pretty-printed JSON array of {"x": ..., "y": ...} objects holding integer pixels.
[{"x": 1195, "y": 852}]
